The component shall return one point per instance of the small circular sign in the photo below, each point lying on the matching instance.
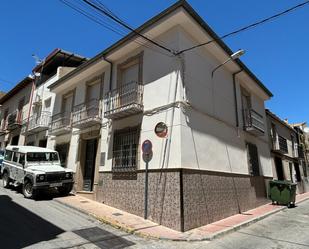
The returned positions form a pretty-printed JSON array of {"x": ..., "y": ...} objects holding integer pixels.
[
  {"x": 147, "y": 146},
  {"x": 147, "y": 157},
  {"x": 161, "y": 129}
]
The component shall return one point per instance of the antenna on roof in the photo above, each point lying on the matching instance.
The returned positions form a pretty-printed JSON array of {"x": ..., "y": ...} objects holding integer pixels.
[{"x": 37, "y": 59}]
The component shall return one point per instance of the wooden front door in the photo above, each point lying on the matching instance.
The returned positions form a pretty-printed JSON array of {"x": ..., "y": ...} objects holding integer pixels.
[{"x": 89, "y": 165}]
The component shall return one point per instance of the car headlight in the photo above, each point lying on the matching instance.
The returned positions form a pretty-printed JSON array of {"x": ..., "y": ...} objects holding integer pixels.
[
  {"x": 40, "y": 178},
  {"x": 68, "y": 175}
]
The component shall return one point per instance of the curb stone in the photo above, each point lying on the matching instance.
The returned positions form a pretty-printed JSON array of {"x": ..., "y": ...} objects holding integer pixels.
[{"x": 211, "y": 237}]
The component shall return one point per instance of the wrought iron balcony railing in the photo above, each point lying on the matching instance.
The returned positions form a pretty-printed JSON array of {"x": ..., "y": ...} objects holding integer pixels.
[
  {"x": 300, "y": 151},
  {"x": 37, "y": 122},
  {"x": 253, "y": 122},
  {"x": 87, "y": 114},
  {"x": 14, "y": 120},
  {"x": 60, "y": 123},
  {"x": 124, "y": 101}
]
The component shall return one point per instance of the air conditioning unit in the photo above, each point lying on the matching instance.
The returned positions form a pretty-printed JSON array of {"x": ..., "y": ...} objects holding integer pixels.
[{"x": 37, "y": 100}]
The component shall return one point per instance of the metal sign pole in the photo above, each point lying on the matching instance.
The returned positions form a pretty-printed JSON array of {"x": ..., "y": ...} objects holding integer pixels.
[{"x": 146, "y": 192}]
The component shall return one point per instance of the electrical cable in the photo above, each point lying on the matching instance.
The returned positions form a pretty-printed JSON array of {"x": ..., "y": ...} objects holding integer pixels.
[
  {"x": 128, "y": 27},
  {"x": 247, "y": 27},
  {"x": 106, "y": 25}
]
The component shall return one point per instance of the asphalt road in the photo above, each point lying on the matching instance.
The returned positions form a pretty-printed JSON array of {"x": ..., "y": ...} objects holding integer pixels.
[{"x": 48, "y": 224}]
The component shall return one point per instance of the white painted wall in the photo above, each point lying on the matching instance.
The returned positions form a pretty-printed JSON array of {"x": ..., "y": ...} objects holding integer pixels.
[{"x": 209, "y": 137}]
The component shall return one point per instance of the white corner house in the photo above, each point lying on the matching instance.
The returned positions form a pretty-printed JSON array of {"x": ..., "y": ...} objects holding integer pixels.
[{"x": 215, "y": 160}]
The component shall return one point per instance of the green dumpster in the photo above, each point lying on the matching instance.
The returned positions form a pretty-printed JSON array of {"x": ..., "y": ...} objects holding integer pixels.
[{"x": 282, "y": 192}]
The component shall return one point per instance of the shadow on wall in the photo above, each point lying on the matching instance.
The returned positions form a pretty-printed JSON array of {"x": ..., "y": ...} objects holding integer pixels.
[{"x": 20, "y": 228}]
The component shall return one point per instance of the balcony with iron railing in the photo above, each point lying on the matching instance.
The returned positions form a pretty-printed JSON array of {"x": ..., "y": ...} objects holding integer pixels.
[
  {"x": 37, "y": 123},
  {"x": 14, "y": 120},
  {"x": 3, "y": 127},
  {"x": 280, "y": 144},
  {"x": 300, "y": 151},
  {"x": 124, "y": 101},
  {"x": 253, "y": 122},
  {"x": 60, "y": 124},
  {"x": 87, "y": 114}
]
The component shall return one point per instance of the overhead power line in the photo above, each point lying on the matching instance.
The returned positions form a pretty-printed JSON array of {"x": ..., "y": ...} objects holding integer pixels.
[
  {"x": 247, "y": 27},
  {"x": 6, "y": 81},
  {"x": 108, "y": 14},
  {"x": 78, "y": 7}
]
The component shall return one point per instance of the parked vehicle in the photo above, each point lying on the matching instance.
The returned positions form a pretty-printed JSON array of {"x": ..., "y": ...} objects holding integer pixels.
[
  {"x": 1, "y": 159},
  {"x": 35, "y": 169}
]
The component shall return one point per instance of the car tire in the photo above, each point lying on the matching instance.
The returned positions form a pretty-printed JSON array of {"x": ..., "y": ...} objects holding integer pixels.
[
  {"x": 65, "y": 190},
  {"x": 28, "y": 190},
  {"x": 6, "y": 179}
]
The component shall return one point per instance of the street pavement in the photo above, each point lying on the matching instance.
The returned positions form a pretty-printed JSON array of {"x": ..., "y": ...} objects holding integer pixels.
[{"x": 46, "y": 224}]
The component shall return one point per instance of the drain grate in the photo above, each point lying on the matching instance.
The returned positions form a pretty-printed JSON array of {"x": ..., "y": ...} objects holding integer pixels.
[{"x": 84, "y": 201}]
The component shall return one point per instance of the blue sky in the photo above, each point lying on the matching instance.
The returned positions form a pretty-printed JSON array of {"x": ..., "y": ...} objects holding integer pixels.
[{"x": 277, "y": 52}]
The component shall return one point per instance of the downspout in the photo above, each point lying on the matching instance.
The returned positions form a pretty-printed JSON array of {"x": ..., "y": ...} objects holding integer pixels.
[
  {"x": 30, "y": 103},
  {"x": 111, "y": 73},
  {"x": 235, "y": 97}
]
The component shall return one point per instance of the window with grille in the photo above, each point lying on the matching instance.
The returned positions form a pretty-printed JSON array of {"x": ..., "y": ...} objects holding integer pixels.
[
  {"x": 125, "y": 150},
  {"x": 253, "y": 159}
]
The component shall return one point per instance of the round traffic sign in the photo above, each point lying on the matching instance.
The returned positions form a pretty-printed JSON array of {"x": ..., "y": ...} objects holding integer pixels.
[
  {"x": 147, "y": 146},
  {"x": 147, "y": 157}
]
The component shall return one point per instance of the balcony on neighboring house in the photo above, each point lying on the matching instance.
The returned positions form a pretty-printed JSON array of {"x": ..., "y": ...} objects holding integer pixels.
[
  {"x": 3, "y": 127},
  {"x": 124, "y": 101},
  {"x": 60, "y": 124},
  {"x": 37, "y": 123},
  {"x": 280, "y": 144},
  {"x": 87, "y": 114},
  {"x": 253, "y": 122},
  {"x": 14, "y": 120},
  {"x": 300, "y": 152}
]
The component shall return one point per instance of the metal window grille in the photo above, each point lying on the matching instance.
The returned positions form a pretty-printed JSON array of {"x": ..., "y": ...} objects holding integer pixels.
[
  {"x": 125, "y": 150},
  {"x": 253, "y": 159}
]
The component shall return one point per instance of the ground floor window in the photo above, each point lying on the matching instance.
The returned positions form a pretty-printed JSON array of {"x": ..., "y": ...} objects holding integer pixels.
[
  {"x": 297, "y": 172},
  {"x": 43, "y": 143},
  {"x": 15, "y": 140},
  {"x": 125, "y": 149},
  {"x": 253, "y": 159}
]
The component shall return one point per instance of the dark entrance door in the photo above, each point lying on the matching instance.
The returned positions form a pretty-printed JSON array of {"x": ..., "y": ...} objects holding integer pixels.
[
  {"x": 43, "y": 143},
  {"x": 279, "y": 168},
  {"x": 89, "y": 166}
]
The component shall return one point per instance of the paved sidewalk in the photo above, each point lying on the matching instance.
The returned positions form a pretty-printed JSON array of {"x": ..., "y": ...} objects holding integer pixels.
[{"x": 137, "y": 225}]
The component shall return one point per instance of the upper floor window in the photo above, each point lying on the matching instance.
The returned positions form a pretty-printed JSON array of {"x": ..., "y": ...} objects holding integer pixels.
[
  {"x": 130, "y": 71},
  {"x": 67, "y": 103},
  {"x": 94, "y": 89}
]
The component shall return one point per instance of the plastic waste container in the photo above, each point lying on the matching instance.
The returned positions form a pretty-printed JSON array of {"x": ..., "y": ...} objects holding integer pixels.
[{"x": 282, "y": 192}]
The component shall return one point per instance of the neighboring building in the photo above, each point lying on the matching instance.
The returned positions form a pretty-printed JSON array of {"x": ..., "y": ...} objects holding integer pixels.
[
  {"x": 215, "y": 161},
  {"x": 35, "y": 127},
  {"x": 287, "y": 155},
  {"x": 14, "y": 108},
  {"x": 302, "y": 138}
]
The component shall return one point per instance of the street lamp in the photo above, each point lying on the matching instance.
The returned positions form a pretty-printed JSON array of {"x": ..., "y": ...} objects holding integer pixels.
[{"x": 234, "y": 56}]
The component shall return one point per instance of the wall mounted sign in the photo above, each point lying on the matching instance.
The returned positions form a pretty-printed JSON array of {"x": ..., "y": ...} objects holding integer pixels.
[{"x": 161, "y": 130}]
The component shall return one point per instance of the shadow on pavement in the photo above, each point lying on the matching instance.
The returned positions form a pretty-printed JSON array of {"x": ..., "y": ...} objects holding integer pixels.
[
  {"x": 20, "y": 228},
  {"x": 102, "y": 238}
]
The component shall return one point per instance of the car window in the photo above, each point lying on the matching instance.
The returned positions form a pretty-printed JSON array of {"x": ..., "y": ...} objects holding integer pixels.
[
  {"x": 8, "y": 155},
  {"x": 22, "y": 159},
  {"x": 15, "y": 157},
  {"x": 42, "y": 156}
]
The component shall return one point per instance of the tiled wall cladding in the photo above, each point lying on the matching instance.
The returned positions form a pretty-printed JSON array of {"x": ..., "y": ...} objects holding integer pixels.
[
  {"x": 207, "y": 196},
  {"x": 128, "y": 195}
]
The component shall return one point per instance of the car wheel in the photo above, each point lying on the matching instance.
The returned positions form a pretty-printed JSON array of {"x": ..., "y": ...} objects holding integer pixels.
[
  {"x": 65, "y": 190},
  {"x": 28, "y": 190},
  {"x": 6, "y": 180}
]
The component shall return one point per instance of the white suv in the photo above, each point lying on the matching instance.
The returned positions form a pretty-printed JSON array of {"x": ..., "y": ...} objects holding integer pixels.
[{"x": 35, "y": 168}]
